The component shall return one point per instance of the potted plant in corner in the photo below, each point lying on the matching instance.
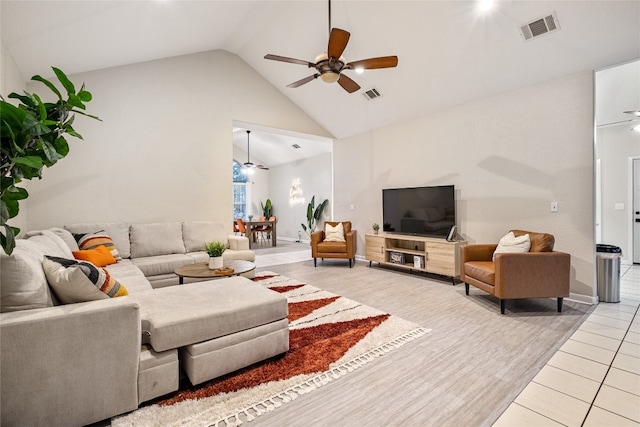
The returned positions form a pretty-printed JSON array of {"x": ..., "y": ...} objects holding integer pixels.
[
  {"x": 313, "y": 215},
  {"x": 215, "y": 251},
  {"x": 33, "y": 137}
]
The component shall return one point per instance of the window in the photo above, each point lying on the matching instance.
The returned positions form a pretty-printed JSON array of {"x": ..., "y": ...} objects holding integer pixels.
[{"x": 239, "y": 191}]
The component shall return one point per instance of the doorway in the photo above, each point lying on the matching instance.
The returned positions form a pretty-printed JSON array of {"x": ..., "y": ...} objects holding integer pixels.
[{"x": 617, "y": 96}]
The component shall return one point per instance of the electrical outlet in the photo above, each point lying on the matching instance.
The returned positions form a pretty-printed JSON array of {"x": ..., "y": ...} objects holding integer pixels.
[{"x": 554, "y": 206}]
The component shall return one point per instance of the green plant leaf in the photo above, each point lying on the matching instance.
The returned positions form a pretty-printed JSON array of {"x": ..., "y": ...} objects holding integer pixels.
[
  {"x": 9, "y": 209},
  {"x": 62, "y": 147},
  {"x": 71, "y": 90},
  {"x": 25, "y": 99},
  {"x": 85, "y": 95},
  {"x": 34, "y": 162},
  {"x": 50, "y": 152},
  {"x": 47, "y": 83},
  {"x": 15, "y": 193},
  {"x": 8, "y": 238},
  {"x": 41, "y": 107}
]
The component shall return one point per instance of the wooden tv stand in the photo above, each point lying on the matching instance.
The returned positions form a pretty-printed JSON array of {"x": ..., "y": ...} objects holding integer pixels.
[{"x": 415, "y": 253}]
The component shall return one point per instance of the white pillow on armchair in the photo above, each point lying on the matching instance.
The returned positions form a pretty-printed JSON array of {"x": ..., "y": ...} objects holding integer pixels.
[
  {"x": 334, "y": 234},
  {"x": 512, "y": 244}
]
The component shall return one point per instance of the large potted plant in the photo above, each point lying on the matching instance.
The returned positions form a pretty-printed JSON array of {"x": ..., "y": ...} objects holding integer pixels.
[
  {"x": 313, "y": 215},
  {"x": 33, "y": 137}
]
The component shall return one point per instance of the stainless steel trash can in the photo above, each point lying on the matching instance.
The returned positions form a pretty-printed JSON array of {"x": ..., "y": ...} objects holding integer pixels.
[{"x": 608, "y": 272}]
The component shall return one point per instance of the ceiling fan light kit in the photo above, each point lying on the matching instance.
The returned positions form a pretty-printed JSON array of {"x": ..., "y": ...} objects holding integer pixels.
[
  {"x": 248, "y": 168},
  {"x": 330, "y": 64}
]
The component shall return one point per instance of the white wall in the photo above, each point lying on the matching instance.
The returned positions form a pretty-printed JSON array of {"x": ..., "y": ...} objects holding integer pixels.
[
  {"x": 315, "y": 179},
  {"x": 164, "y": 148},
  {"x": 509, "y": 157}
]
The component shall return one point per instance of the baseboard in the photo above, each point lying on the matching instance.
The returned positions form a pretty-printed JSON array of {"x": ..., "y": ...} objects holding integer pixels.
[{"x": 583, "y": 299}]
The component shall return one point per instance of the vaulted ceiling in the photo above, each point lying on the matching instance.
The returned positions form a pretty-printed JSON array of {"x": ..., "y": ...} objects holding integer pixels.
[{"x": 450, "y": 52}]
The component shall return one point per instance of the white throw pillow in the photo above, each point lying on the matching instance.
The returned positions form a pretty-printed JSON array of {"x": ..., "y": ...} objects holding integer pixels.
[
  {"x": 512, "y": 244},
  {"x": 334, "y": 234}
]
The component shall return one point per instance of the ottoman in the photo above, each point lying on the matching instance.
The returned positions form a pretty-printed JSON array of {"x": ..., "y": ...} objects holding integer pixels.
[{"x": 218, "y": 325}]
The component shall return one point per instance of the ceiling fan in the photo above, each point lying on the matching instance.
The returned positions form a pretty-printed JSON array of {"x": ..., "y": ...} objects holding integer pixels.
[
  {"x": 329, "y": 65},
  {"x": 248, "y": 165}
]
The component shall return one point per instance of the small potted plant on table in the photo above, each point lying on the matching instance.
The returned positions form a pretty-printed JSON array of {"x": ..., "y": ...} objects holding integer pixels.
[
  {"x": 376, "y": 227},
  {"x": 215, "y": 251}
]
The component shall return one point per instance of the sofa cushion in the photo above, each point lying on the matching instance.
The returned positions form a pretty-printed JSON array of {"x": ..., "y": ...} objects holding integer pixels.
[
  {"x": 540, "y": 242},
  {"x": 512, "y": 244},
  {"x": 161, "y": 264},
  {"x": 331, "y": 247},
  {"x": 100, "y": 256},
  {"x": 88, "y": 241},
  {"x": 79, "y": 281},
  {"x": 334, "y": 233},
  {"x": 156, "y": 239},
  {"x": 118, "y": 231},
  {"x": 24, "y": 284},
  {"x": 130, "y": 276},
  {"x": 484, "y": 271},
  {"x": 50, "y": 243},
  {"x": 197, "y": 233},
  {"x": 181, "y": 315},
  {"x": 64, "y": 234}
]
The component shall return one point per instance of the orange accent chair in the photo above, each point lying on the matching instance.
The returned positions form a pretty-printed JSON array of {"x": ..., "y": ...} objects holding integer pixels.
[
  {"x": 539, "y": 273},
  {"x": 325, "y": 249},
  {"x": 241, "y": 227}
]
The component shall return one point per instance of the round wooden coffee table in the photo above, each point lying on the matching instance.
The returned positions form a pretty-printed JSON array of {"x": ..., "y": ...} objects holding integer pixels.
[{"x": 201, "y": 270}]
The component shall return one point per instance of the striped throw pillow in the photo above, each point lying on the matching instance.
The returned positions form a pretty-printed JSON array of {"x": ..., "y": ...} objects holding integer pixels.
[
  {"x": 88, "y": 241},
  {"x": 78, "y": 281}
]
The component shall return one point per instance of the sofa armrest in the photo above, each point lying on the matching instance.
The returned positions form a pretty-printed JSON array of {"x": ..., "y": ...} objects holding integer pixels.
[
  {"x": 238, "y": 243},
  {"x": 351, "y": 243},
  {"x": 478, "y": 252},
  {"x": 72, "y": 364},
  {"x": 532, "y": 275},
  {"x": 316, "y": 237}
]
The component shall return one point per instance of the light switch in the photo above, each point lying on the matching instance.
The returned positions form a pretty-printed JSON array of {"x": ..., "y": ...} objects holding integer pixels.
[
  {"x": 554, "y": 206},
  {"x": 618, "y": 206},
  {"x": 352, "y": 206}
]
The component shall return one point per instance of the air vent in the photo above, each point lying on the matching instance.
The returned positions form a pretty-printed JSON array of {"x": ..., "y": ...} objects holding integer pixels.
[
  {"x": 539, "y": 27},
  {"x": 372, "y": 94},
  {"x": 296, "y": 146}
]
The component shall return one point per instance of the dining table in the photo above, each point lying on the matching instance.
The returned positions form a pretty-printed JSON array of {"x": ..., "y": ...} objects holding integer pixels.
[{"x": 250, "y": 225}]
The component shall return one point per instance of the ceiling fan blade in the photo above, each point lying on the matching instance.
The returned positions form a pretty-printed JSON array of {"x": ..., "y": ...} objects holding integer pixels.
[
  {"x": 348, "y": 84},
  {"x": 303, "y": 81},
  {"x": 338, "y": 40},
  {"x": 289, "y": 60},
  {"x": 372, "y": 63},
  {"x": 263, "y": 167}
]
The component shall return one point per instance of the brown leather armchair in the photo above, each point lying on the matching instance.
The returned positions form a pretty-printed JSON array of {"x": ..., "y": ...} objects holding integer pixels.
[
  {"x": 322, "y": 249},
  {"x": 539, "y": 273}
]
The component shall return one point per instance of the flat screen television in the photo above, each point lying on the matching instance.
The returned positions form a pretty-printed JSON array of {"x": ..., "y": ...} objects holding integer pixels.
[{"x": 423, "y": 211}]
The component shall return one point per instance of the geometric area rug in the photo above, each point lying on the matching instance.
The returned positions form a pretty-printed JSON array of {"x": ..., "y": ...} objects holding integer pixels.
[{"x": 329, "y": 337}]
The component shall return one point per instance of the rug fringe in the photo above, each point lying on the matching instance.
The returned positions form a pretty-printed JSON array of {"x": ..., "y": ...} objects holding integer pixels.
[{"x": 251, "y": 412}]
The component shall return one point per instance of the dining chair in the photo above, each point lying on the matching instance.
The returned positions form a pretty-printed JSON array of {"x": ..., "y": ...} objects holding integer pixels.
[{"x": 241, "y": 227}]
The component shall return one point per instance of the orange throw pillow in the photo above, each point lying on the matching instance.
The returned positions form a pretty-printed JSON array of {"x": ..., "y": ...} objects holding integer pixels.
[{"x": 100, "y": 256}]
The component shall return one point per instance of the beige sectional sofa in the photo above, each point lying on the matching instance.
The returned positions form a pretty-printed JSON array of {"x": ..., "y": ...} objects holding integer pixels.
[{"x": 80, "y": 363}]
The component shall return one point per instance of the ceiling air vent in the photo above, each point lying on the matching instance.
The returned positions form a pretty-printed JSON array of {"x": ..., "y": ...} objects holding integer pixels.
[
  {"x": 372, "y": 94},
  {"x": 539, "y": 27},
  {"x": 296, "y": 146}
]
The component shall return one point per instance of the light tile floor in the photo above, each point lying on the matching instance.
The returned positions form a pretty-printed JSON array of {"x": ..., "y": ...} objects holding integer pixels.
[{"x": 594, "y": 378}]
